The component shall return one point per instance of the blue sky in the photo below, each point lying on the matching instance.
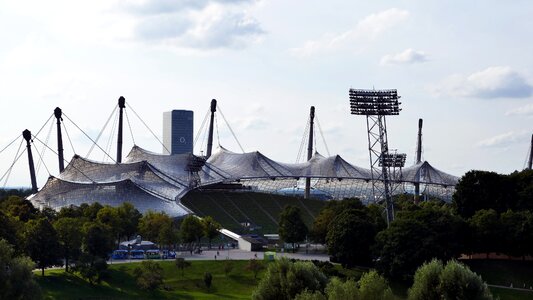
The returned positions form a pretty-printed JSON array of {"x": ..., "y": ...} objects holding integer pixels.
[{"x": 462, "y": 66}]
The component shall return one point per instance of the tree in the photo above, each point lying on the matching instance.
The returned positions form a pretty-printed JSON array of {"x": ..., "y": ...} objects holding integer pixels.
[
  {"x": 109, "y": 216},
  {"x": 208, "y": 279},
  {"x": 97, "y": 240},
  {"x": 328, "y": 213},
  {"x": 370, "y": 286},
  {"x": 350, "y": 236},
  {"x": 8, "y": 229},
  {"x": 149, "y": 275},
  {"x": 151, "y": 223},
  {"x": 70, "y": 211},
  {"x": 517, "y": 233},
  {"x": 129, "y": 219},
  {"x": 426, "y": 281},
  {"x": 484, "y": 190},
  {"x": 19, "y": 208},
  {"x": 486, "y": 231},
  {"x": 68, "y": 233},
  {"x": 168, "y": 234},
  {"x": 92, "y": 268},
  {"x": 292, "y": 228},
  {"x": 418, "y": 236},
  {"x": 90, "y": 211},
  {"x": 285, "y": 279},
  {"x": 191, "y": 229},
  {"x": 337, "y": 290},
  {"x": 453, "y": 281},
  {"x": 373, "y": 286},
  {"x": 211, "y": 228},
  {"x": 16, "y": 276},
  {"x": 42, "y": 244},
  {"x": 523, "y": 181},
  {"x": 182, "y": 264},
  {"x": 254, "y": 266}
]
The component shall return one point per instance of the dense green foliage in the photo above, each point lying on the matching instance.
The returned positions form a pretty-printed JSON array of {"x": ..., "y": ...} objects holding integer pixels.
[
  {"x": 149, "y": 275},
  {"x": 16, "y": 277},
  {"x": 418, "y": 236},
  {"x": 350, "y": 236},
  {"x": 42, "y": 244},
  {"x": 292, "y": 228},
  {"x": 285, "y": 279},
  {"x": 191, "y": 229},
  {"x": 452, "y": 281},
  {"x": 488, "y": 190}
]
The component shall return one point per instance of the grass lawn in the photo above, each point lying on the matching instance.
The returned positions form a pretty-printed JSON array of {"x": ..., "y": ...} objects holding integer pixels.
[
  {"x": 504, "y": 272},
  {"x": 239, "y": 284}
]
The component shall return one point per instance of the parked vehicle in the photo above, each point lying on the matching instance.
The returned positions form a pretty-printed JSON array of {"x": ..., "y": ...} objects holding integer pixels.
[
  {"x": 152, "y": 254},
  {"x": 120, "y": 254},
  {"x": 167, "y": 254},
  {"x": 137, "y": 254}
]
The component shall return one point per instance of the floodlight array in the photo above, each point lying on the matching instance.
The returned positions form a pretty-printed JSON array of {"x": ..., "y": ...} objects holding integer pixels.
[
  {"x": 392, "y": 160},
  {"x": 374, "y": 102}
]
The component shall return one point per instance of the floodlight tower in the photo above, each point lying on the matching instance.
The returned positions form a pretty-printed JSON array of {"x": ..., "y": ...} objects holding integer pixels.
[{"x": 375, "y": 105}]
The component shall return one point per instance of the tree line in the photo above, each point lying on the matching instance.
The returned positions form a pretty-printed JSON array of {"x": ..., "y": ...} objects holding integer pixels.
[
  {"x": 82, "y": 238},
  {"x": 489, "y": 213}
]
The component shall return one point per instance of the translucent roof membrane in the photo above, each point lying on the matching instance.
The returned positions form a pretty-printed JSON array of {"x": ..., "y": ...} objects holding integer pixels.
[
  {"x": 154, "y": 181},
  {"x": 58, "y": 193},
  {"x": 175, "y": 165},
  {"x": 425, "y": 173},
  {"x": 256, "y": 165}
]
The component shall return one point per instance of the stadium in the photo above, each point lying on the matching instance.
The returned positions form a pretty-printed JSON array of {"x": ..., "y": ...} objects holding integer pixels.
[{"x": 242, "y": 191}]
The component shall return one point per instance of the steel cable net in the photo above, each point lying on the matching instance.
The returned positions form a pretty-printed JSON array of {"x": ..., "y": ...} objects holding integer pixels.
[
  {"x": 59, "y": 193},
  {"x": 155, "y": 181}
]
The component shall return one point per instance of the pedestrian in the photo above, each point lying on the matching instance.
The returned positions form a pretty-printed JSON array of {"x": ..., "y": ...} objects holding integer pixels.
[
  {"x": 218, "y": 253},
  {"x": 215, "y": 257}
]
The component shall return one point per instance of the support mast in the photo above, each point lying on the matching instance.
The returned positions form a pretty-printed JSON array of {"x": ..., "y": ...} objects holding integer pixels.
[
  {"x": 210, "y": 136},
  {"x": 27, "y": 136},
  {"x": 310, "y": 150},
  {"x": 121, "y": 105},
  {"x": 418, "y": 158},
  {"x": 530, "y": 162},
  {"x": 58, "y": 114}
]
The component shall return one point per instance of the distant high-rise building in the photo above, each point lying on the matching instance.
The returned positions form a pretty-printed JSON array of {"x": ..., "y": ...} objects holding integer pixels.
[{"x": 178, "y": 131}]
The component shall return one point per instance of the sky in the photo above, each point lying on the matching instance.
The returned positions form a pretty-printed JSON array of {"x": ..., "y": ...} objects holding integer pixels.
[{"x": 465, "y": 67}]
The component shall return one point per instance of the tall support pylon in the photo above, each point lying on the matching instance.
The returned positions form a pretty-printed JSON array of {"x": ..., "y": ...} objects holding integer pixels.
[
  {"x": 26, "y": 134},
  {"x": 58, "y": 114},
  {"x": 310, "y": 144},
  {"x": 121, "y": 105},
  {"x": 375, "y": 105},
  {"x": 530, "y": 161},
  {"x": 418, "y": 157},
  {"x": 211, "y": 125}
]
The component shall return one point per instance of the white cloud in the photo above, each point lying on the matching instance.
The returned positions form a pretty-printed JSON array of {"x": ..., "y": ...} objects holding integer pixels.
[
  {"x": 369, "y": 28},
  {"x": 504, "y": 139},
  {"x": 526, "y": 110},
  {"x": 195, "y": 24},
  {"x": 408, "y": 56},
  {"x": 493, "y": 82}
]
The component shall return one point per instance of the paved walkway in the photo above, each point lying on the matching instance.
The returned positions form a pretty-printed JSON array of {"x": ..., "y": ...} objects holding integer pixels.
[{"x": 236, "y": 254}]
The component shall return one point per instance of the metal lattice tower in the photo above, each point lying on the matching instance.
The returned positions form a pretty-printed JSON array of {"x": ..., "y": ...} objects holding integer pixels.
[{"x": 375, "y": 105}]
